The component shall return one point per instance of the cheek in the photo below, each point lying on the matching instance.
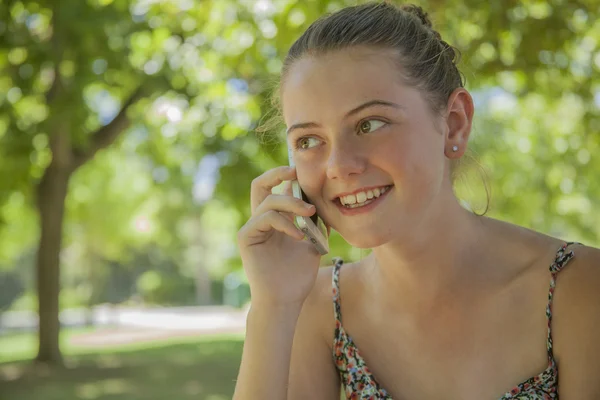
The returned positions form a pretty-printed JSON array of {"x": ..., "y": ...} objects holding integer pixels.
[
  {"x": 309, "y": 177},
  {"x": 413, "y": 163},
  {"x": 394, "y": 157}
]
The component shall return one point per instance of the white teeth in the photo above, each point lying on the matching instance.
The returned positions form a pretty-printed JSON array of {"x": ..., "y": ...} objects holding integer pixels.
[{"x": 362, "y": 198}]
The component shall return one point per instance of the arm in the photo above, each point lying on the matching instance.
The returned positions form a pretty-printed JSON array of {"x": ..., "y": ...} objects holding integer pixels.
[
  {"x": 266, "y": 356},
  {"x": 576, "y": 326},
  {"x": 286, "y": 353},
  {"x": 312, "y": 372}
]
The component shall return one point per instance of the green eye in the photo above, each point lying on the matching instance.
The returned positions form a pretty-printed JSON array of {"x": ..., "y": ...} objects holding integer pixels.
[
  {"x": 307, "y": 142},
  {"x": 367, "y": 125}
]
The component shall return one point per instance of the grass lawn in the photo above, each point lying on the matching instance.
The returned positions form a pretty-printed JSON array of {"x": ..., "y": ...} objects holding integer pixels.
[{"x": 193, "y": 368}]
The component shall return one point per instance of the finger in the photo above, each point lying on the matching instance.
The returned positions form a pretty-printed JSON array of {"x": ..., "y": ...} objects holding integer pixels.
[
  {"x": 287, "y": 188},
  {"x": 263, "y": 185},
  {"x": 259, "y": 229},
  {"x": 285, "y": 204}
]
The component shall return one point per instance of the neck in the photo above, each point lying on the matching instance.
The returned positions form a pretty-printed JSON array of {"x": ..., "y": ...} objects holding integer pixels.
[{"x": 437, "y": 257}]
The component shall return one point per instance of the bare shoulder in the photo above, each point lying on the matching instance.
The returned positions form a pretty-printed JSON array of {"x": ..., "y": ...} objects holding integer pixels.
[
  {"x": 322, "y": 292},
  {"x": 578, "y": 283},
  {"x": 312, "y": 371},
  {"x": 318, "y": 307},
  {"x": 576, "y": 323}
]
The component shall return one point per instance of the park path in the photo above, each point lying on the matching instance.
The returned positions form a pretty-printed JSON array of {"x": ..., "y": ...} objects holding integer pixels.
[{"x": 118, "y": 326}]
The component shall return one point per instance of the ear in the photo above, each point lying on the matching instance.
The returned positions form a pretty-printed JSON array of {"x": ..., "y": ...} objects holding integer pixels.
[{"x": 459, "y": 119}]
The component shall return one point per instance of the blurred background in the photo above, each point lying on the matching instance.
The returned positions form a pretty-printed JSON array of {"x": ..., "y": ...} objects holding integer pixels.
[{"x": 127, "y": 148}]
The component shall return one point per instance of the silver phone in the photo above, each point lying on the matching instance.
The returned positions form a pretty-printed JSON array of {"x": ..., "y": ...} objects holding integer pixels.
[{"x": 313, "y": 227}]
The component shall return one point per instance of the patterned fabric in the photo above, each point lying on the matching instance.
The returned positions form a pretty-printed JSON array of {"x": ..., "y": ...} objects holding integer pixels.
[{"x": 359, "y": 383}]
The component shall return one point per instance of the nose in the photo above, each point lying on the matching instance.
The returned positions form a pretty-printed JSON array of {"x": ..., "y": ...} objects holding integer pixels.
[{"x": 344, "y": 161}]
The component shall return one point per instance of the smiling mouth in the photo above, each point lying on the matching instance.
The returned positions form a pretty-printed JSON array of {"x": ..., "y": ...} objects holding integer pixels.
[{"x": 361, "y": 199}]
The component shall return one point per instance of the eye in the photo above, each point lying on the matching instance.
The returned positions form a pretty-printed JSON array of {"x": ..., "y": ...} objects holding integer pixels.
[
  {"x": 306, "y": 142},
  {"x": 369, "y": 125}
]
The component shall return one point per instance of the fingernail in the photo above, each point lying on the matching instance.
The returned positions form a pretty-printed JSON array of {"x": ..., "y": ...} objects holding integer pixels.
[{"x": 309, "y": 206}]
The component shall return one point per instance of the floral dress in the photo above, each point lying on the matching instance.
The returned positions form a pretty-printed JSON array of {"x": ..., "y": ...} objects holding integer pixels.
[{"x": 359, "y": 383}]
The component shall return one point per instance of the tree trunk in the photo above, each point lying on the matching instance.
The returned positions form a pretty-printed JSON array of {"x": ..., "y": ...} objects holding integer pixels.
[
  {"x": 203, "y": 281},
  {"x": 203, "y": 289},
  {"x": 52, "y": 192},
  {"x": 51, "y": 196}
]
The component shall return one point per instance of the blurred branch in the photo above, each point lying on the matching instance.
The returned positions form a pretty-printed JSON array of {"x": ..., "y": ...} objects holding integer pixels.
[
  {"x": 57, "y": 52},
  {"x": 107, "y": 134}
]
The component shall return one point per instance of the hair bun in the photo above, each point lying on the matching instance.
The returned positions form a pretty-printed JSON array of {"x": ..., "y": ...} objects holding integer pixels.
[{"x": 417, "y": 12}]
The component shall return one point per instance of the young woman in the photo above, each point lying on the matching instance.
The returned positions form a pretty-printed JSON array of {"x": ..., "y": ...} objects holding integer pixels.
[{"x": 449, "y": 304}]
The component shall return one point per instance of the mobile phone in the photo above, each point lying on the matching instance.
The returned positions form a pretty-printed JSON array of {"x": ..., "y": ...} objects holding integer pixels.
[{"x": 313, "y": 227}]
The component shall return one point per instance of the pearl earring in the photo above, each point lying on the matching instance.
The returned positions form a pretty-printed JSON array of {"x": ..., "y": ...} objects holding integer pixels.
[{"x": 454, "y": 148}]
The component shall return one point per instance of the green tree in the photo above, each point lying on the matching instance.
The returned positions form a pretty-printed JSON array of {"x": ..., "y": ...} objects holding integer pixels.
[{"x": 73, "y": 72}]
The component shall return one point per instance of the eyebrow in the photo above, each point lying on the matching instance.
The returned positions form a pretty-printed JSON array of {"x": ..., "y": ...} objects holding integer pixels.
[{"x": 350, "y": 113}]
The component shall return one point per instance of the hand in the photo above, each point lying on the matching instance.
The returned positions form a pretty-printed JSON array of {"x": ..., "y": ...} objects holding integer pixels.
[{"x": 280, "y": 265}]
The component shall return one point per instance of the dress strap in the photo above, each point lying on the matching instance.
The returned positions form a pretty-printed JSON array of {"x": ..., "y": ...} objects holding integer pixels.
[
  {"x": 335, "y": 285},
  {"x": 563, "y": 256}
]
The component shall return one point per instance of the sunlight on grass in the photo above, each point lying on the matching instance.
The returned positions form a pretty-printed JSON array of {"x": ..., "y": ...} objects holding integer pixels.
[
  {"x": 177, "y": 368},
  {"x": 17, "y": 347},
  {"x": 107, "y": 387},
  {"x": 109, "y": 361},
  {"x": 88, "y": 391},
  {"x": 116, "y": 386},
  {"x": 193, "y": 387},
  {"x": 23, "y": 346}
]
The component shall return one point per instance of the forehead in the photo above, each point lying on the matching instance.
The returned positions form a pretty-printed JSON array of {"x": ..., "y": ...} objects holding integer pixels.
[{"x": 340, "y": 81}]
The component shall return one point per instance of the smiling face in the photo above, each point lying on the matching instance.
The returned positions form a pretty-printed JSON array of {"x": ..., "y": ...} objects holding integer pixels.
[{"x": 355, "y": 128}]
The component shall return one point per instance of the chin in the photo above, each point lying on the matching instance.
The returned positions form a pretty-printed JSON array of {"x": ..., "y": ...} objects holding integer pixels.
[{"x": 363, "y": 240}]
